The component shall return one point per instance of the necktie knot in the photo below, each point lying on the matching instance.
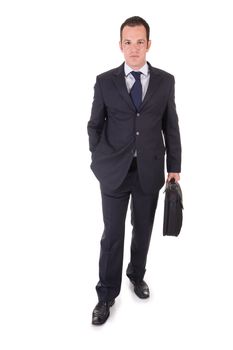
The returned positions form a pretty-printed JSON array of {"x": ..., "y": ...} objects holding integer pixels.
[{"x": 136, "y": 75}]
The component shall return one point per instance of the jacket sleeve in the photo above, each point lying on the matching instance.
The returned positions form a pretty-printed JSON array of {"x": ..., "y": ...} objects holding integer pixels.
[
  {"x": 172, "y": 133},
  {"x": 97, "y": 119}
]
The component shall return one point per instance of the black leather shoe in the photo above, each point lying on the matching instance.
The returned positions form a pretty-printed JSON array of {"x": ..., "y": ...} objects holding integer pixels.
[
  {"x": 101, "y": 312},
  {"x": 141, "y": 289}
]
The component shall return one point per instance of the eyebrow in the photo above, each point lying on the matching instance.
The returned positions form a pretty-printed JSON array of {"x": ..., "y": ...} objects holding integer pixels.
[{"x": 131, "y": 40}]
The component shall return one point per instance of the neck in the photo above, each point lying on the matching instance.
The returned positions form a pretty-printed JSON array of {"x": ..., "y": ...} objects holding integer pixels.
[{"x": 136, "y": 67}]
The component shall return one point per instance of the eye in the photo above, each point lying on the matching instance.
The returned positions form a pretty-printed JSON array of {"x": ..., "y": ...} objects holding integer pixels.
[
  {"x": 141, "y": 42},
  {"x": 127, "y": 42}
]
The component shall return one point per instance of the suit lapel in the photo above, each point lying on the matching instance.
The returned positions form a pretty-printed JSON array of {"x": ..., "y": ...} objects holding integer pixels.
[
  {"x": 119, "y": 81},
  {"x": 153, "y": 87}
]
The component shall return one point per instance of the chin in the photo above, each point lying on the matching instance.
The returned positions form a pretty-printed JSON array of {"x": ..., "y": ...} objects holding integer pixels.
[{"x": 135, "y": 63}]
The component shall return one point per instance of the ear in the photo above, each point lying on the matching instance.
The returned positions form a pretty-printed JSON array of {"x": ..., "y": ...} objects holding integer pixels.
[
  {"x": 120, "y": 45},
  {"x": 148, "y": 45}
]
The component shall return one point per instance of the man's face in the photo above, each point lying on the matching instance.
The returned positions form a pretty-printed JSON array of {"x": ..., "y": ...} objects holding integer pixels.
[{"x": 134, "y": 46}]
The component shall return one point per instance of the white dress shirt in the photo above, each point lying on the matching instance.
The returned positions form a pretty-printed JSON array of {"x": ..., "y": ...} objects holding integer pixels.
[{"x": 145, "y": 77}]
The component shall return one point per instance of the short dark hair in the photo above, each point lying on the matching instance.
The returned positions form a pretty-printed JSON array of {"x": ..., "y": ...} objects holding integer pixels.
[{"x": 136, "y": 21}]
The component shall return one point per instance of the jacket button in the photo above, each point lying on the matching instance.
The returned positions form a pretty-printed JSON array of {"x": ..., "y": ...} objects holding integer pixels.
[
  {"x": 137, "y": 133},
  {"x": 138, "y": 114}
]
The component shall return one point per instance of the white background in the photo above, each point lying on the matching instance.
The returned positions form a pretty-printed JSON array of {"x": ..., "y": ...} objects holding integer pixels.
[{"x": 50, "y": 213}]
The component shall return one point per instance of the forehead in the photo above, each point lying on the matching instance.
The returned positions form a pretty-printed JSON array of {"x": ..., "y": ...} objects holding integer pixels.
[{"x": 137, "y": 32}]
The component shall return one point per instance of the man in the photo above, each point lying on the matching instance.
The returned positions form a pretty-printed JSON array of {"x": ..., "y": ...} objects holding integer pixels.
[{"x": 133, "y": 122}]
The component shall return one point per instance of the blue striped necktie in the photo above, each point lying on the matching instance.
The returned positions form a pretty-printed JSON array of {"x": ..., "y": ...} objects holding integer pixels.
[{"x": 136, "y": 90}]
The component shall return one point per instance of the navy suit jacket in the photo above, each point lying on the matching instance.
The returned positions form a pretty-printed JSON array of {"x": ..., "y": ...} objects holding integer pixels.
[{"x": 116, "y": 130}]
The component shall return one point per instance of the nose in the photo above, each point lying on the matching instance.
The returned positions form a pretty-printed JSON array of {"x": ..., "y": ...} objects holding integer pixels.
[{"x": 135, "y": 46}]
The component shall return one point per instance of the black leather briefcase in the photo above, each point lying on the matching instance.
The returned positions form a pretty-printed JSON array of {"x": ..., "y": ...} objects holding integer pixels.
[{"x": 173, "y": 209}]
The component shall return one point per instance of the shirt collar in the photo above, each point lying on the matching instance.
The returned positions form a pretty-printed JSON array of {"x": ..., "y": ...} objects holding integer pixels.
[{"x": 144, "y": 70}]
